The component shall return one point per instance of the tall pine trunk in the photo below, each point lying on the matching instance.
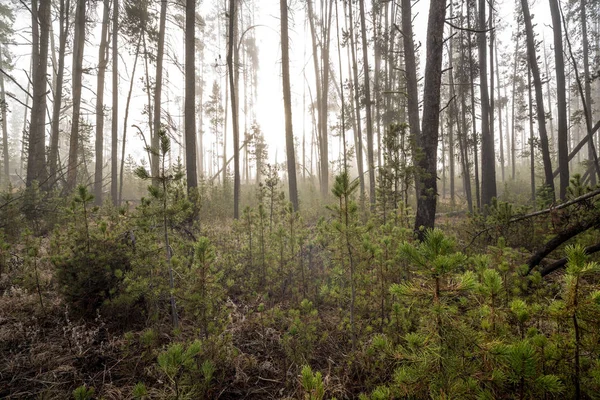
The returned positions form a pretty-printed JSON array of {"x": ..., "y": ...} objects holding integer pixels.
[
  {"x": 78, "y": 46},
  {"x": 287, "y": 104},
  {"x": 190, "y": 95},
  {"x": 428, "y": 141},
  {"x": 234, "y": 106},
  {"x": 488, "y": 156},
  {"x": 369, "y": 115},
  {"x": 102, "y": 62},
  {"x": 539, "y": 99},
  {"x": 114, "y": 149},
  {"x": 63, "y": 22},
  {"x": 36, "y": 156},
  {"x": 586, "y": 81},
  {"x": 561, "y": 94},
  {"x": 157, "y": 116}
]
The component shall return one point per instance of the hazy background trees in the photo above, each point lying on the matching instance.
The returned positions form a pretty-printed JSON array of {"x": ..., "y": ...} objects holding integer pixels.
[{"x": 194, "y": 70}]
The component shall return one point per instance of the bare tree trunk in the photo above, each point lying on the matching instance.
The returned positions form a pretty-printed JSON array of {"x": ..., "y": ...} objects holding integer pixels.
[
  {"x": 488, "y": 156},
  {"x": 158, "y": 89},
  {"x": 462, "y": 127},
  {"x": 563, "y": 134},
  {"x": 451, "y": 144},
  {"x": 500, "y": 114},
  {"x": 428, "y": 141},
  {"x": 531, "y": 142},
  {"x": 287, "y": 103},
  {"x": 36, "y": 156},
  {"x": 190, "y": 94},
  {"x": 102, "y": 62},
  {"x": 24, "y": 130},
  {"x": 63, "y": 22},
  {"x": 234, "y": 106},
  {"x": 473, "y": 116},
  {"x": 78, "y": 46},
  {"x": 539, "y": 99},
  {"x": 358, "y": 131},
  {"x": 513, "y": 157},
  {"x": 3, "y": 107},
  {"x": 586, "y": 78},
  {"x": 369, "y": 121},
  {"x": 127, "y": 103},
  {"x": 410, "y": 65},
  {"x": 115, "y": 105}
]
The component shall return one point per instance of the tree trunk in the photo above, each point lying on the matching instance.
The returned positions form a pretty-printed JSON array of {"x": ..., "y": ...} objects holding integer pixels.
[
  {"x": 358, "y": 131},
  {"x": 78, "y": 46},
  {"x": 127, "y": 103},
  {"x": 462, "y": 128},
  {"x": 234, "y": 106},
  {"x": 561, "y": 94},
  {"x": 428, "y": 141},
  {"x": 115, "y": 106},
  {"x": 488, "y": 155},
  {"x": 190, "y": 95},
  {"x": 3, "y": 107},
  {"x": 501, "y": 143},
  {"x": 513, "y": 157},
  {"x": 287, "y": 104},
  {"x": 369, "y": 120},
  {"x": 473, "y": 116},
  {"x": 412, "y": 90},
  {"x": 539, "y": 99},
  {"x": 102, "y": 62},
  {"x": 531, "y": 142},
  {"x": 158, "y": 90},
  {"x": 63, "y": 22},
  {"x": 36, "y": 156},
  {"x": 586, "y": 73},
  {"x": 451, "y": 144}
]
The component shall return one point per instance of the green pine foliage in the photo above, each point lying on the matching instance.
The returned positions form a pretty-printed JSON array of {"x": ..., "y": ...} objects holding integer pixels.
[{"x": 337, "y": 302}]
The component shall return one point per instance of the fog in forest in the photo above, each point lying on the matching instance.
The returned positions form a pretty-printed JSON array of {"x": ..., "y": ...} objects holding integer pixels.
[{"x": 299, "y": 199}]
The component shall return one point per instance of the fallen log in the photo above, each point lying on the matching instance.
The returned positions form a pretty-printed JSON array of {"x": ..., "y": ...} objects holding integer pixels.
[
  {"x": 562, "y": 237},
  {"x": 558, "y": 264}
]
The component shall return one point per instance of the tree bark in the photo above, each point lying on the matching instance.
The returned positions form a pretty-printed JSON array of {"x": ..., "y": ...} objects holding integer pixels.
[
  {"x": 488, "y": 155},
  {"x": 410, "y": 65},
  {"x": 234, "y": 107},
  {"x": 539, "y": 98},
  {"x": 358, "y": 131},
  {"x": 63, "y": 22},
  {"x": 322, "y": 89},
  {"x": 190, "y": 95},
  {"x": 561, "y": 94},
  {"x": 428, "y": 141},
  {"x": 586, "y": 73},
  {"x": 102, "y": 62},
  {"x": 369, "y": 119},
  {"x": 78, "y": 47},
  {"x": 158, "y": 90},
  {"x": 473, "y": 116},
  {"x": 287, "y": 104},
  {"x": 3, "y": 108},
  {"x": 36, "y": 156},
  {"x": 127, "y": 103},
  {"x": 114, "y": 144},
  {"x": 591, "y": 221}
]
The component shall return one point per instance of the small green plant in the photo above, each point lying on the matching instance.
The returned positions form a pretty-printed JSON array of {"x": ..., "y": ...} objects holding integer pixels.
[
  {"x": 180, "y": 364},
  {"x": 159, "y": 191},
  {"x": 139, "y": 391},
  {"x": 312, "y": 384},
  {"x": 83, "y": 393}
]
